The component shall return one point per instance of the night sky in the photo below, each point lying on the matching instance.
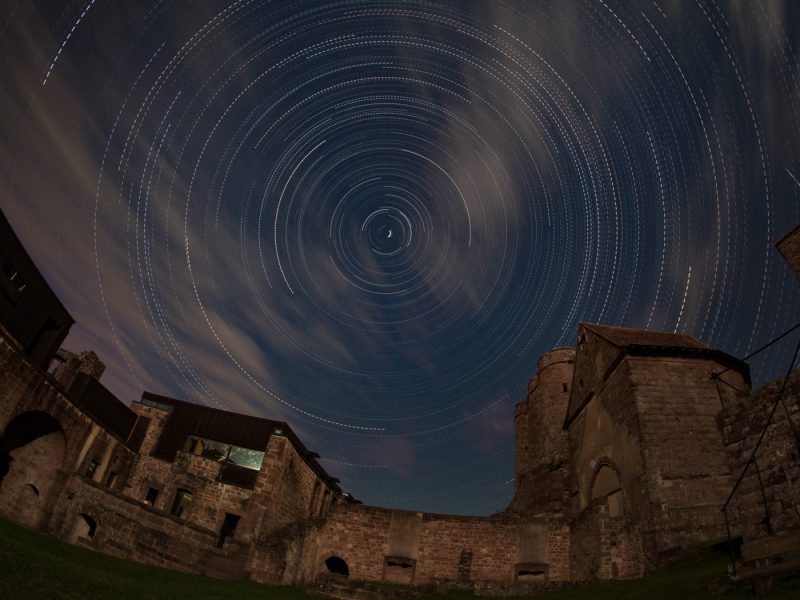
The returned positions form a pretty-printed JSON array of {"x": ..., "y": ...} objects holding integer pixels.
[{"x": 370, "y": 218}]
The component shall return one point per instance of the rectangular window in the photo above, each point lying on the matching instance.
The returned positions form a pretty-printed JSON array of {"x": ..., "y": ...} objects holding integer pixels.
[
  {"x": 244, "y": 457},
  {"x": 150, "y": 496},
  {"x": 92, "y": 468},
  {"x": 112, "y": 479},
  {"x": 180, "y": 506},
  {"x": 11, "y": 282},
  {"x": 228, "y": 528},
  {"x": 211, "y": 449}
]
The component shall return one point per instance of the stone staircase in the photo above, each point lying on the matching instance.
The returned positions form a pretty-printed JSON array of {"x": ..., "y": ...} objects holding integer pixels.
[{"x": 225, "y": 564}]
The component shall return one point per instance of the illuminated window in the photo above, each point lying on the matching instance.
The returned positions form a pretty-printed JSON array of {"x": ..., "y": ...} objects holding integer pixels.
[{"x": 227, "y": 453}]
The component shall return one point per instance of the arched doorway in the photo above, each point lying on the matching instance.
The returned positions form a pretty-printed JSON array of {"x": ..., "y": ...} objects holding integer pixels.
[
  {"x": 337, "y": 566},
  {"x": 31, "y": 452},
  {"x": 607, "y": 484}
]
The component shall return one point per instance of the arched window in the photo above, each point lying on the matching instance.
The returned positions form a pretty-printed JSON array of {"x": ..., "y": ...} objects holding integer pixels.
[
  {"x": 337, "y": 566},
  {"x": 607, "y": 484}
]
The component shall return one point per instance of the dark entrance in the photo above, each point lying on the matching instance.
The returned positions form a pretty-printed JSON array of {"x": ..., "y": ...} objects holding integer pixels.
[
  {"x": 228, "y": 528},
  {"x": 337, "y": 566}
]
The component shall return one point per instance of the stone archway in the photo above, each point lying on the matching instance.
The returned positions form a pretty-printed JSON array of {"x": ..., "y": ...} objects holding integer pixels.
[
  {"x": 607, "y": 484},
  {"x": 32, "y": 450}
]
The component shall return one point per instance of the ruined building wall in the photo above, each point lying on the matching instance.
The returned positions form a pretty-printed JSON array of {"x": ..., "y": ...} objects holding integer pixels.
[
  {"x": 687, "y": 477},
  {"x": 46, "y": 439},
  {"x": 125, "y": 528},
  {"x": 381, "y": 544},
  {"x": 286, "y": 489}
]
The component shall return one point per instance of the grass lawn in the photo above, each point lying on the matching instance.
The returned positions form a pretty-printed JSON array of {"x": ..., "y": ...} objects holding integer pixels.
[{"x": 39, "y": 567}]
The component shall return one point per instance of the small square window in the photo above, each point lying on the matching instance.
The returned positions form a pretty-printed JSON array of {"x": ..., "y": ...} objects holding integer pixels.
[
  {"x": 11, "y": 282},
  {"x": 150, "y": 497}
]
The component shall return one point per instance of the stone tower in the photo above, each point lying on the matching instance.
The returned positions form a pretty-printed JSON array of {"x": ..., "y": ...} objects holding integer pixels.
[{"x": 542, "y": 448}]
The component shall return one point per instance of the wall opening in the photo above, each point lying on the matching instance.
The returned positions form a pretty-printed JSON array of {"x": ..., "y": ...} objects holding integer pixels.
[
  {"x": 399, "y": 569},
  {"x": 607, "y": 484},
  {"x": 150, "y": 496},
  {"x": 228, "y": 528},
  {"x": 337, "y": 566},
  {"x": 530, "y": 572}
]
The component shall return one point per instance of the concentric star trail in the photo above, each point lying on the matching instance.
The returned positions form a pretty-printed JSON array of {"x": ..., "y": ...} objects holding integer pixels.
[{"x": 370, "y": 217}]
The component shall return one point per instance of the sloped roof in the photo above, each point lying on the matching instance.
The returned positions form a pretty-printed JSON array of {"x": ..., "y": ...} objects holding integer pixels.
[
  {"x": 624, "y": 337},
  {"x": 187, "y": 418}
]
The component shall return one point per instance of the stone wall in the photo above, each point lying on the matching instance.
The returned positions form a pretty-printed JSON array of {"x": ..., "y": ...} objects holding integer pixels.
[
  {"x": 128, "y": 529},
  {"x": 66, "y": 440},
  {"x": 286, "y": 490},
  {"x": 405, "y": 547},
  {"x": 741, "y": 422},
  {"x": 542, "y": 483},
  {"x": 604, "y": 547},
  {"x": 687, "y": 477}
]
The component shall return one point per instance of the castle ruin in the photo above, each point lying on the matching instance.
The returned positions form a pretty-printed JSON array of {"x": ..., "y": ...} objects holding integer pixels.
[{"x": 627, "y": 447}]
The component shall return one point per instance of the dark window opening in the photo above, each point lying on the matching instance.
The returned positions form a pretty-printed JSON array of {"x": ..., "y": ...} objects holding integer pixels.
[
  {"x": 228, "y": 528},
  {"x": 112, "y": 478},
  {"x": 91, "y": 523},
  {"x": 526, "y": 572},
  {"x": 565, "y": 387},
  {"x": 180, "y": 506},
  {"x": 239, "y": 476},
  {"x": 337, "y": 566},
  {"x": 11, "y": 282},
  {"x": 531, "y": 572},
  {"x": 399, "y": 569},
  {"x": 92, "y": 468},
  {"x": 150, "y": 496},
  {"x": 402, "y": 564}
]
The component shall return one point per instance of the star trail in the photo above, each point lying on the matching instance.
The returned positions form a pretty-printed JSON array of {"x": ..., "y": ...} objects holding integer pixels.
[{"x": 369, "y": 218}]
